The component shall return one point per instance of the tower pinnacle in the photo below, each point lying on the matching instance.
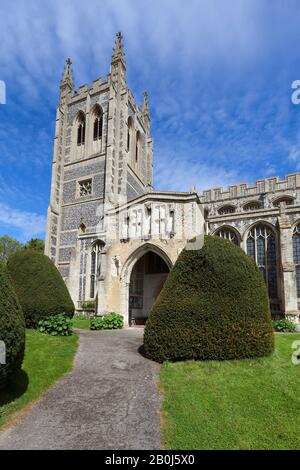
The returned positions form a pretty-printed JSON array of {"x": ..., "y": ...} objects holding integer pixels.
[
  {"x": 119, "y": 49},
  {"x": 66, "y": 83},
  {"x": 67, "y": 75},
  {"x": 145, "y": 105}
]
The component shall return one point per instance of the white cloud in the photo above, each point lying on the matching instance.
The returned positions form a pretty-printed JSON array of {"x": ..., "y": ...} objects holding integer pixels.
[
  {"x": 28, "y": 224},
  {"x": 37, "y": 36},
  {"x": 177, "y": 172},
  {"x": 204, "y": 63}
]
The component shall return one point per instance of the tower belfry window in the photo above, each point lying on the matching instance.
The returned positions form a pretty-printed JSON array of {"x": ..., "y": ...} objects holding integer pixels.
[
  {"x": 98, "y": 125},
  {"x": 81, "y": 130},
  {"x": 137, "y": 146},
  {"x": 129, "y": 130}
]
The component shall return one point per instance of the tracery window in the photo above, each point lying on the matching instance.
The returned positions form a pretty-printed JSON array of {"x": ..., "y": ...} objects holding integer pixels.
[
  {"x": 137, "y": 146},
  {"x": 226, "y": 210},
  {"x": 85, "y": 188},
  {"x": 286, "y": 200},
  {"x": 129, "y": 131},
  {"x": 252, "y": 206},
  {"x": 296, "y": 254},
  {"x": 228, "y": 234},
  {"x": 95, "y": 266},
  {"x": 261, "y": 246},
  {"x": 81, "y": 129},
  {"x": 98, "y": 124}
]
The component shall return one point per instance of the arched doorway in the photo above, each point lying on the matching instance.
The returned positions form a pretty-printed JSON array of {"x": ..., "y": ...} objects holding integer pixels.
[{"x": 146, "y": 281}]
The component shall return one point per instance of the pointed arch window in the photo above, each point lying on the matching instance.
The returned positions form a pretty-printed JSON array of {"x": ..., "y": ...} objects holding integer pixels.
[
  {"x": 98, "y": 124},
  {"x": 129, "y": 130},
  {"x": 137, "y": 146},
  {"x": 296, "y": 255},
  {"x": 285, "y": 200},
  {"x": 252, "y": 206},
  {"x": 95, "y": 266},
  {"x": 228, "y": 234},
  {"x": 225, "y": 210},
  {"x": 81, "y": 129},
  {"x": 261, "y": 246}
]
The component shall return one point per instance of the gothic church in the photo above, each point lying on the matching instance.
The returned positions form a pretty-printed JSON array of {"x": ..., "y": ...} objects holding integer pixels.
[{"x": 114, "y": 239}]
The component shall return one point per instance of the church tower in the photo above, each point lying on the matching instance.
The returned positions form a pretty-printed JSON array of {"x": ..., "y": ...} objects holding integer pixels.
[{"x": 102, "y": 159}]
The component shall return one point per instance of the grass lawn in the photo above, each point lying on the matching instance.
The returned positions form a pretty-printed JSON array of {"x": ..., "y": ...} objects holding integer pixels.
[
  {"x": 47, "y": 358},
  {"x": 81, "y": 322},
  {"x": 247, "y": 404}
]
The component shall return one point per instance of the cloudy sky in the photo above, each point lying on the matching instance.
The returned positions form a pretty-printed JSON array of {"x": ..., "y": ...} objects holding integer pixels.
[{"x": 218, "y": 74}]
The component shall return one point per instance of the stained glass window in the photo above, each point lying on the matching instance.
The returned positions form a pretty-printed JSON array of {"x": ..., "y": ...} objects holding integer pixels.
[
  {"x": 228, "y": 234},
  {"x": 261, "y": 246}
]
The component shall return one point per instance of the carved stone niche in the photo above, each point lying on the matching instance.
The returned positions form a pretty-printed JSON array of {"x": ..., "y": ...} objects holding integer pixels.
[{"x": 148, "y": 208}]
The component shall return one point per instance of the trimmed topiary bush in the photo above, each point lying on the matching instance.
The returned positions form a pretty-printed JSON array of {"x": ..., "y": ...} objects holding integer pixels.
[
  {"x": 12, "y": 329},
  {"x": 39, "y": 286},
  {"x": 214, "y": 305}
]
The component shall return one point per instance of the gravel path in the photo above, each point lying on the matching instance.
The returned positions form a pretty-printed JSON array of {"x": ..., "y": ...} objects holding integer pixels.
[{"x": 109, "y": 401}]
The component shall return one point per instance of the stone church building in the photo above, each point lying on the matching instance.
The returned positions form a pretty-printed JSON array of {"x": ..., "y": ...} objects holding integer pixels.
[{"x": 114, "y": 239}]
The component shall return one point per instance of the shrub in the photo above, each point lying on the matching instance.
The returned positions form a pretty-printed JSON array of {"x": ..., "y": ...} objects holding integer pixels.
[
  {"x": 12, "y": 328},
  {"x": 39, "y": 286},
  {"x": 284, "y": 325},
  {"x": 112, "y": 321},
  {"x": 56, "y": 325},
  {"x": 214, "y": 305},
  {"x": 88, "y": 304}
]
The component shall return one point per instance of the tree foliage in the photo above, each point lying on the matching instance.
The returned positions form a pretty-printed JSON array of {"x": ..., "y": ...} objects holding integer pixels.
[
  {"x": 36, "y": 244},
  {"x": 8, "y": 246}
]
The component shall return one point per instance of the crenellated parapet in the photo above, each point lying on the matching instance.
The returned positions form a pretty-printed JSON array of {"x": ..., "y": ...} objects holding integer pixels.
[{"x": 268, "y": 185}]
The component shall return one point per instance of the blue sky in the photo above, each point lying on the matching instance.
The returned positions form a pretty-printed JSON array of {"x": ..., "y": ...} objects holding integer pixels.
[{"x": 218, "y": 74}]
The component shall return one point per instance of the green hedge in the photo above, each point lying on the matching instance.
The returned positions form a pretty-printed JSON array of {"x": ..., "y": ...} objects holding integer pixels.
[
  {"x": 214, "y": 305},
  {"x": 12, "y": 328},
  {"x": 40, "y": 287}
]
